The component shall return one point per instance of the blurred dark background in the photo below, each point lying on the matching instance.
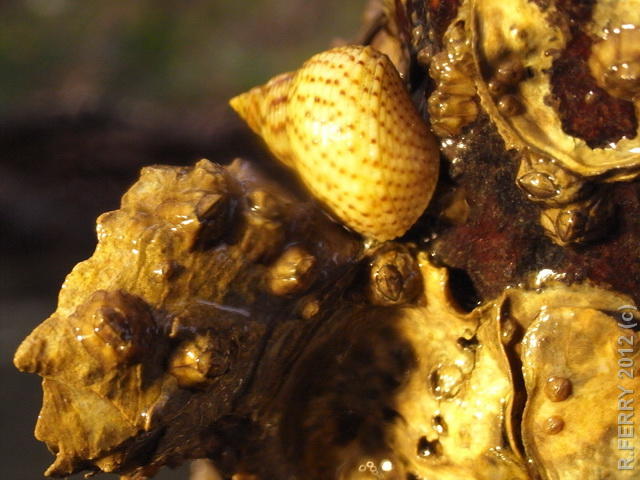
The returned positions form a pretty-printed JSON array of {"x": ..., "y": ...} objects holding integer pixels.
[{"x": 91, "y": 91}]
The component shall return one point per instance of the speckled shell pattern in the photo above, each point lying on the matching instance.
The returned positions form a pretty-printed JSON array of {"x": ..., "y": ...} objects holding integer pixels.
[{"x": 346, "y": 124}]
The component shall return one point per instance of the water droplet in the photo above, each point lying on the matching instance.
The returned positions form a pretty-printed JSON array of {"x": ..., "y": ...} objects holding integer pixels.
[
  {"x": 496, "y": 88},
  {"x": 547, "y": 275},
  {"x": 510, "y": 106},
  {"x": 591, "y": 97},
  {"x": 427, "y": 449},
  {"x": 510, "y": 72},
  {"x": 439, "y": 425},
  {"x": 446, "y": 381},
  {"x": 470, "y": 343}
]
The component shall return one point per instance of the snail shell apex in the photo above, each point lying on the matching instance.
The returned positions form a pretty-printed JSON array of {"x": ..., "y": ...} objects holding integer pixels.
[{"x": 346, "y": 124}]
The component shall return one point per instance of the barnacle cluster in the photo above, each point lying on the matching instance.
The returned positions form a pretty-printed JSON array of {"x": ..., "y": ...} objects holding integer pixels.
[
  {"x": 452, "y": 104},
  {"x": 525, "y": 31},
  {"x": 158, "y": 357}
]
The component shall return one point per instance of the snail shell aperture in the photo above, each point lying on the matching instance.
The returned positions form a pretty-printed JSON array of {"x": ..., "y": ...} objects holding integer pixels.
[{"x": 346, "y": 124}]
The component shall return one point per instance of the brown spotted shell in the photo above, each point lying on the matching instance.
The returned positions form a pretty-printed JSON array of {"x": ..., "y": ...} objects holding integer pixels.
[{"x": 346, "y": 124}]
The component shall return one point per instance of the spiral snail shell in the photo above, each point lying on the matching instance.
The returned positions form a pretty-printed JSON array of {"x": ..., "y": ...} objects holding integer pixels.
[{"x": 346, "y": 124}]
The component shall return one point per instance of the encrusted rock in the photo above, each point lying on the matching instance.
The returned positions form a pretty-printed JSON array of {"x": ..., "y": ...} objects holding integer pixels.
[{"x": 157, "y": 333}]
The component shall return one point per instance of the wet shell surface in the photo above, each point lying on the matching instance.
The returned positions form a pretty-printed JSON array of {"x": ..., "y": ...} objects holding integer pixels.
[
  {"x": 615, "y": 62},
  {"x": 346, "y": 124},
  {"x": 452, "y": 104},
  {"x": 524, "y": 31}
]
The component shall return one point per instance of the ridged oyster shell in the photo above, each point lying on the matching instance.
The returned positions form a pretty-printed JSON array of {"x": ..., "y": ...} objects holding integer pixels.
[{"x": 523, "y": 30}]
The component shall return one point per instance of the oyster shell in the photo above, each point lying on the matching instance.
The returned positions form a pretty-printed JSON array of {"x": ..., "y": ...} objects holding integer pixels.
[
  {"x": 528, "y": 32},
  {"x": 571, "y": 355},
  {"x": 403, "y": 394},
  {"x": 454, "y": 426}
]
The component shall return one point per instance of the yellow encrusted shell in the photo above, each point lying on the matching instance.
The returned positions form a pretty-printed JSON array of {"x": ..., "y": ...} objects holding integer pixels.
[{"x": 346, "y": 124}]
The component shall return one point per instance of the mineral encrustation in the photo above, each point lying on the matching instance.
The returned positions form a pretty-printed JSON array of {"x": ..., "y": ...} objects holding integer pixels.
[{"x": 220, "y": 317}]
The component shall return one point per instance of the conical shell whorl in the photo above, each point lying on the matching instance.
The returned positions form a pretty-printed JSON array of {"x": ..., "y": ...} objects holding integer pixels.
[
  {"x": 347, "y": 125},
  {"x": 264, "y": 108}
]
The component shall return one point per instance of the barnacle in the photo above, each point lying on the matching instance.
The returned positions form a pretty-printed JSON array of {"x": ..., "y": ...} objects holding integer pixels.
[
  {"x": 394, "y": 276},
  {"x": 544, "y": 181},
  {"x": 292, "y": 272},
  {"x": 578, "y": 222}
]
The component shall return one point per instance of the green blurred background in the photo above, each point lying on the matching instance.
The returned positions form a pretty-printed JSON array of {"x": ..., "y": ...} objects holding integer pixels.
[
  {"x": 156, "y": 54},
  {"x": 90, "y": 91}
]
